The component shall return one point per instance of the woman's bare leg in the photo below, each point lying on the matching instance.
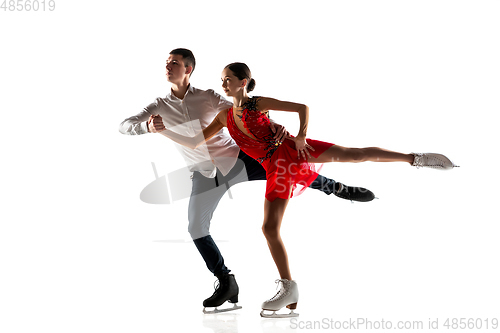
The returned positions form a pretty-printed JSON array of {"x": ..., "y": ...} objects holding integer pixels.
[
  {"x": 343, "y": 154},
  {"x": 273, "y": 215}
]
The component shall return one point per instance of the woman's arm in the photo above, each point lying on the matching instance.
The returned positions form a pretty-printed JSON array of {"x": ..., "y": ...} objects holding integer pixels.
[
  {"x": 301, "y": 145},
  {"x": 266, "y": 103},
  {"x": 208, "y": 132}
]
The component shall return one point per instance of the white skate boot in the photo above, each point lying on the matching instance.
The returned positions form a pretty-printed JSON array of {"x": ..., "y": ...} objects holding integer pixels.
[
  {"x": 288, "y": 295},
  {"x": 434, "y": 161}
]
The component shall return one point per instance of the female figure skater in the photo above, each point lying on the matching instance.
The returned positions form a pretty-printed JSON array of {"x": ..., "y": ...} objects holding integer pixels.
[{"x": 287, "y": 163}]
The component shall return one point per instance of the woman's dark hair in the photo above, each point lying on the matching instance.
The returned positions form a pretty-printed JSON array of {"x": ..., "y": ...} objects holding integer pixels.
[
  {"x": 241, "y": 71},
  {"x": 187, "y": 56}
]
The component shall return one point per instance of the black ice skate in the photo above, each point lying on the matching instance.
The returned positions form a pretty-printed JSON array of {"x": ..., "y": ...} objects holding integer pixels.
[
  {"x": 353, "y": 193},
  {"x": 226, "y": 290}
]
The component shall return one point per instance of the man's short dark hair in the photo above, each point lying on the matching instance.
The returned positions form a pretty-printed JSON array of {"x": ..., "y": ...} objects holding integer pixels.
[{"x": 187, "y": 57}]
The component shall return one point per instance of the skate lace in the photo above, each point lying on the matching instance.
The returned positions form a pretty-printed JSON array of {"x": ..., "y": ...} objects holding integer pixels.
[
  {"x": 431, "y": 161},
  {"x": 216, "y": 286},
  {"x": 418, "y": 162},
  {"x": 281, "y": 293}
]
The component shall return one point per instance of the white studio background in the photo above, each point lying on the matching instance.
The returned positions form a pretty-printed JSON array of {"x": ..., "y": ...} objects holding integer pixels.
[{"x": 80, "y": 252}]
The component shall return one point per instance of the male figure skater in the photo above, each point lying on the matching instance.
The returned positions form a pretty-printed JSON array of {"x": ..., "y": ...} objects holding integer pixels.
[{"x": 216, "y": 166}]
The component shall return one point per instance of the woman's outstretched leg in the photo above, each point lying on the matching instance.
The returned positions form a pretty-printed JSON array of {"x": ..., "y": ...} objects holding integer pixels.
[
  {"x": 343, "y": 154},
  {"x": 273, "y": 216},
  {"x": 374, "y": 154}
]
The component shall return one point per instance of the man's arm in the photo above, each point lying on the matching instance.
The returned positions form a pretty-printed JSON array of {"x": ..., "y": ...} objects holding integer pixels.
[
  {"x": 191, "y": 142},
  {"x": 138, "y": 124}
]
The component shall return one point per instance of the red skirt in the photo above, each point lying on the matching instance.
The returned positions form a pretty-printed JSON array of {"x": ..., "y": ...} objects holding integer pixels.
[{"x": 287, "y": 175}]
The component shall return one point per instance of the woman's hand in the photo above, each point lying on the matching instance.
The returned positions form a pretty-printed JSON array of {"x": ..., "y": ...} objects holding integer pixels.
[{"x": 302, "y": 147}]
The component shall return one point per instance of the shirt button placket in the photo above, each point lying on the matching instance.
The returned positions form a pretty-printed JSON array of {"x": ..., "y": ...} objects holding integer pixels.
[{"x": 187, "y": 118}]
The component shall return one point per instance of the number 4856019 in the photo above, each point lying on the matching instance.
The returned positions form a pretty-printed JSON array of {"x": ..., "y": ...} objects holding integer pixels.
[{"x": 28, "y": 5}]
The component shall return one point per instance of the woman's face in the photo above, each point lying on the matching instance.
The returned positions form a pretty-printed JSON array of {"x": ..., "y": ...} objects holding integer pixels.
[{"x": 231, "y": 84}]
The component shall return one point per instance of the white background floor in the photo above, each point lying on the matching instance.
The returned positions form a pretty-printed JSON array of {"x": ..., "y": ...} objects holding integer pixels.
[{"x": 80, "y": 252}]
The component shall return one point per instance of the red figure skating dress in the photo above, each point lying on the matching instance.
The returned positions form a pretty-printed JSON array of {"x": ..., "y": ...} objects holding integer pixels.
[{"x": 284, "y": 170}]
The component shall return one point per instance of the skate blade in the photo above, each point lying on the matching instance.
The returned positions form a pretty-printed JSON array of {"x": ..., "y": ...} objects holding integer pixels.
[
  {"x": 216, "y": 310},
  {"x": 278, "y": 315}
]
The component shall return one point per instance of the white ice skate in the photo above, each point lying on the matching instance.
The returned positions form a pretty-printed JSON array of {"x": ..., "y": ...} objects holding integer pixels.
[
  {"x": 434, "y": 161},
  {"x": 288, "y": 295}
]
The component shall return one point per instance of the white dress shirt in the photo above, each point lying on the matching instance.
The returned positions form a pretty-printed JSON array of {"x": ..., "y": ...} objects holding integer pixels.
[{"x": 188, "y": 116}]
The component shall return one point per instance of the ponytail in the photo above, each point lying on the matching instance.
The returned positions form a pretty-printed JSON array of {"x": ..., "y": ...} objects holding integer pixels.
[{"x": 251, "y": 85}]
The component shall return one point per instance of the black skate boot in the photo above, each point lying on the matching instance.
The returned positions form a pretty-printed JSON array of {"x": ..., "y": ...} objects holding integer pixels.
[
  {"x": 353, "y": 193},
  {"x": 226, "y": 290}
]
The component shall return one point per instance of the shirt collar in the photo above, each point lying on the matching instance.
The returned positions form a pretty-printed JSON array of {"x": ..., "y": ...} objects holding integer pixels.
[{"x": 189, "y": 89}]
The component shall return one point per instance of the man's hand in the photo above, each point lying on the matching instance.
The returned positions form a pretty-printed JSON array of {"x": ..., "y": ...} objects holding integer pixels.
[
  {"x": 155, "y": 124},
  {"x": 280, "y": 132}
]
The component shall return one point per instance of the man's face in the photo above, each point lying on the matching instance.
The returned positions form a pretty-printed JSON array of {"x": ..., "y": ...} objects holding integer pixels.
[{"x": 175, "y": 69}]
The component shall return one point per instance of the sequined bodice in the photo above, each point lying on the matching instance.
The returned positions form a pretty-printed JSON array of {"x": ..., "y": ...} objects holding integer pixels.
[{"x": 262, "y": 146}]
